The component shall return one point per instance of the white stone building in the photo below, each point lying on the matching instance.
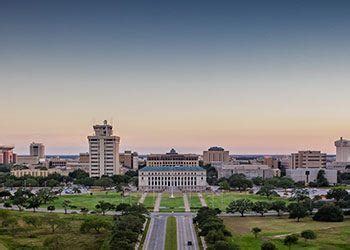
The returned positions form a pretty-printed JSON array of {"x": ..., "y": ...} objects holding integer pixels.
[
  {"x": 308, "y": 175},
  {"x": 172, "y": 178},
  {"x": 249, "y": 170},
  {"x": 104, "y": 151}
]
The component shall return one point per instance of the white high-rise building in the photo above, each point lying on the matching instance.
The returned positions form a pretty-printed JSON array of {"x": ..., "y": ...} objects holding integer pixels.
[
  {"x": 343, "y": 150},
  {"x": 37, "y": 149},
  {"x": 104, "y": 151}
]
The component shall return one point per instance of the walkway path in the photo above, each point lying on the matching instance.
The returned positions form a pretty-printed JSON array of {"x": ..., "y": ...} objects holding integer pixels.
[
  {"x": 203, "y": 202},
  {"x": 142, "y": 198},
  {"x": 186, "y": 203},
  {"x": 157, "y": 203}
]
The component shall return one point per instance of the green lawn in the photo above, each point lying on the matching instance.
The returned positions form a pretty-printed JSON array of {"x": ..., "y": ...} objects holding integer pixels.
[
  {"x": 222, "y": 200},
  {"x": 194, "y": 201},
  {"x": 330, "y": 235},
  {"x": 171, "y": 234},
  {"x": 175, "y": 204},
  {"x": 90, "y": 201},
  {"x": 150, "y": 200},
  {"x": 28, "y": 237}
]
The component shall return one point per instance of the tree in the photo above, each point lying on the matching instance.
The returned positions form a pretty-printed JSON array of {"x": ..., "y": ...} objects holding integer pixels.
[
  {"x": 104, "y": 207},
  {"x": 20, "y": 198},
  {"x": 33, "y": 202},
  {"x": 285, "y": 182},
  {"x": 258, "y": 181},
  {"x": 66, "y": 204},
  {"x": 224, "y": 185},
  {"x": 55, "y": 222},
  {"x": 329, "y": 212},
  {"x": 300, "y": 194},
  {"x": 321, "y": 179},
  {"x": 256, "y": 231},
  {"x": 224, "y": 245},
  {"x": 261, "y": 207},
  {"x": 104, "y": 182},
  {"x": 78, "y": 174},
  {"x": 241, "y": 206},
  {"x": 268, "y": 245},
  {"x": 122, "y": 207},
  {"x": 46, "y": 195},
  {"x": 51, "y": 208},
  {"x": 337, "y": 193},
  {"x": 297, "y": 210},
  {"x": 84, "y": 210},
  {"x": 94, "y": 223},
  {"x": 214, "y": 236},
  {"x": 308, "y": 235},
  {"x": 290, "y": 240},
  {"x": 279, "y": 206},
  {"x": 5, "y": 194},
  {"x": 34, "y": 221},
  {"x": 240, "y": 182},
  {"x": 267, "y": 190}
]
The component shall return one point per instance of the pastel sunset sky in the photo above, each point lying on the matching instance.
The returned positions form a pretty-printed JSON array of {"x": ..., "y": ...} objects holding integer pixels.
[{"x": 264, "y": 77}]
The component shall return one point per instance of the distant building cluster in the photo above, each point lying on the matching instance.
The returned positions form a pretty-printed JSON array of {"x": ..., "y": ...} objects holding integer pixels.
[{"x": 175, "y": 170}]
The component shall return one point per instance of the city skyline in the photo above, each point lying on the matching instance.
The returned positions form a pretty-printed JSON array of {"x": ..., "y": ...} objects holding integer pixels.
[{"x": 254, "y": 77}]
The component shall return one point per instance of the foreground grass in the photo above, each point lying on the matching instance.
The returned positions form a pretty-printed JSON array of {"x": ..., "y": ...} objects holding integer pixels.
[
  {"x": 90, "y": 201},
  {"x": 175, "y": 204},
  {"x": 222, "y": 200},
  {"x": 29, "y": 237},
  {"x": 330, "y": 235},
  {"x": 171, "y": 234}
]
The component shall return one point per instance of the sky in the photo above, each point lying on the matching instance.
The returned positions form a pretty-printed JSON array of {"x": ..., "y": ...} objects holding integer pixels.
[{"x": 268, "y": 77}]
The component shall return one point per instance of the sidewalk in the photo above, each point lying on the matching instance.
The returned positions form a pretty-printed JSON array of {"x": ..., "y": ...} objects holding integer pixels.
[
  {"x": 143, "y": 197},
  {"x": 202, "y": 200},
  {"x": 157, "y": 203},
  {"x": 186, "y": 203}
]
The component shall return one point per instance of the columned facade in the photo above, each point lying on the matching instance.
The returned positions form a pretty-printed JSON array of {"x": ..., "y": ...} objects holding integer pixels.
[{"x": 176, "y": 178}]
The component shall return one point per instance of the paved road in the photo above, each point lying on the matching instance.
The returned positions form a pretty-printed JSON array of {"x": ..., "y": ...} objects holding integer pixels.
[
  {"x": 155, "y": 239},
  {"x": 186, "y": 233}
]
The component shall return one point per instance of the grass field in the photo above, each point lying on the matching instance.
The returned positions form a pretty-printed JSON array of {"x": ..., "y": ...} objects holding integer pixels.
[
  {"x": 171, "y": 234},
  {"x": 90, "y": 201},
  {"x": 329, "y": 235},
  {"x": 222, "y": 200},
  {"x": 194, "y": 201},
  {"x": 175, "y": 204},
  {"x": 29, "y": 237},
  {"x": 150, "y": 200}
]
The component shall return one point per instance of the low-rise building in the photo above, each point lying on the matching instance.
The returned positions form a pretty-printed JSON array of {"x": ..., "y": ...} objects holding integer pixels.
[
  {"x": 129, "y": 160},
  {"x": 172, "y": 178},
  {"x": 308, "y": 175},
  {"x": 27, "y": 160},
  {"x": 249, "y": 170},
  {"x": 37, "y": 172},
  {"x": 172, "y": 159}
]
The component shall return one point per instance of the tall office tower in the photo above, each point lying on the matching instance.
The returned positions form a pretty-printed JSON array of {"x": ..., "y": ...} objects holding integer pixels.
[
  {"x": 343, "y": 150},
  {"x": 104, "y": 151},
  {"x": 308, "y": 159},
  {"x": 37, "y": 149}
]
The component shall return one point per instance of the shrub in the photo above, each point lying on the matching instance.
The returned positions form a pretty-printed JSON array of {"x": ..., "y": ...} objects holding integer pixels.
[
  {"x": 329, "y": 212},
  {"x": 268, "y": 245},
  {"x": 308, "y": 235}
]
